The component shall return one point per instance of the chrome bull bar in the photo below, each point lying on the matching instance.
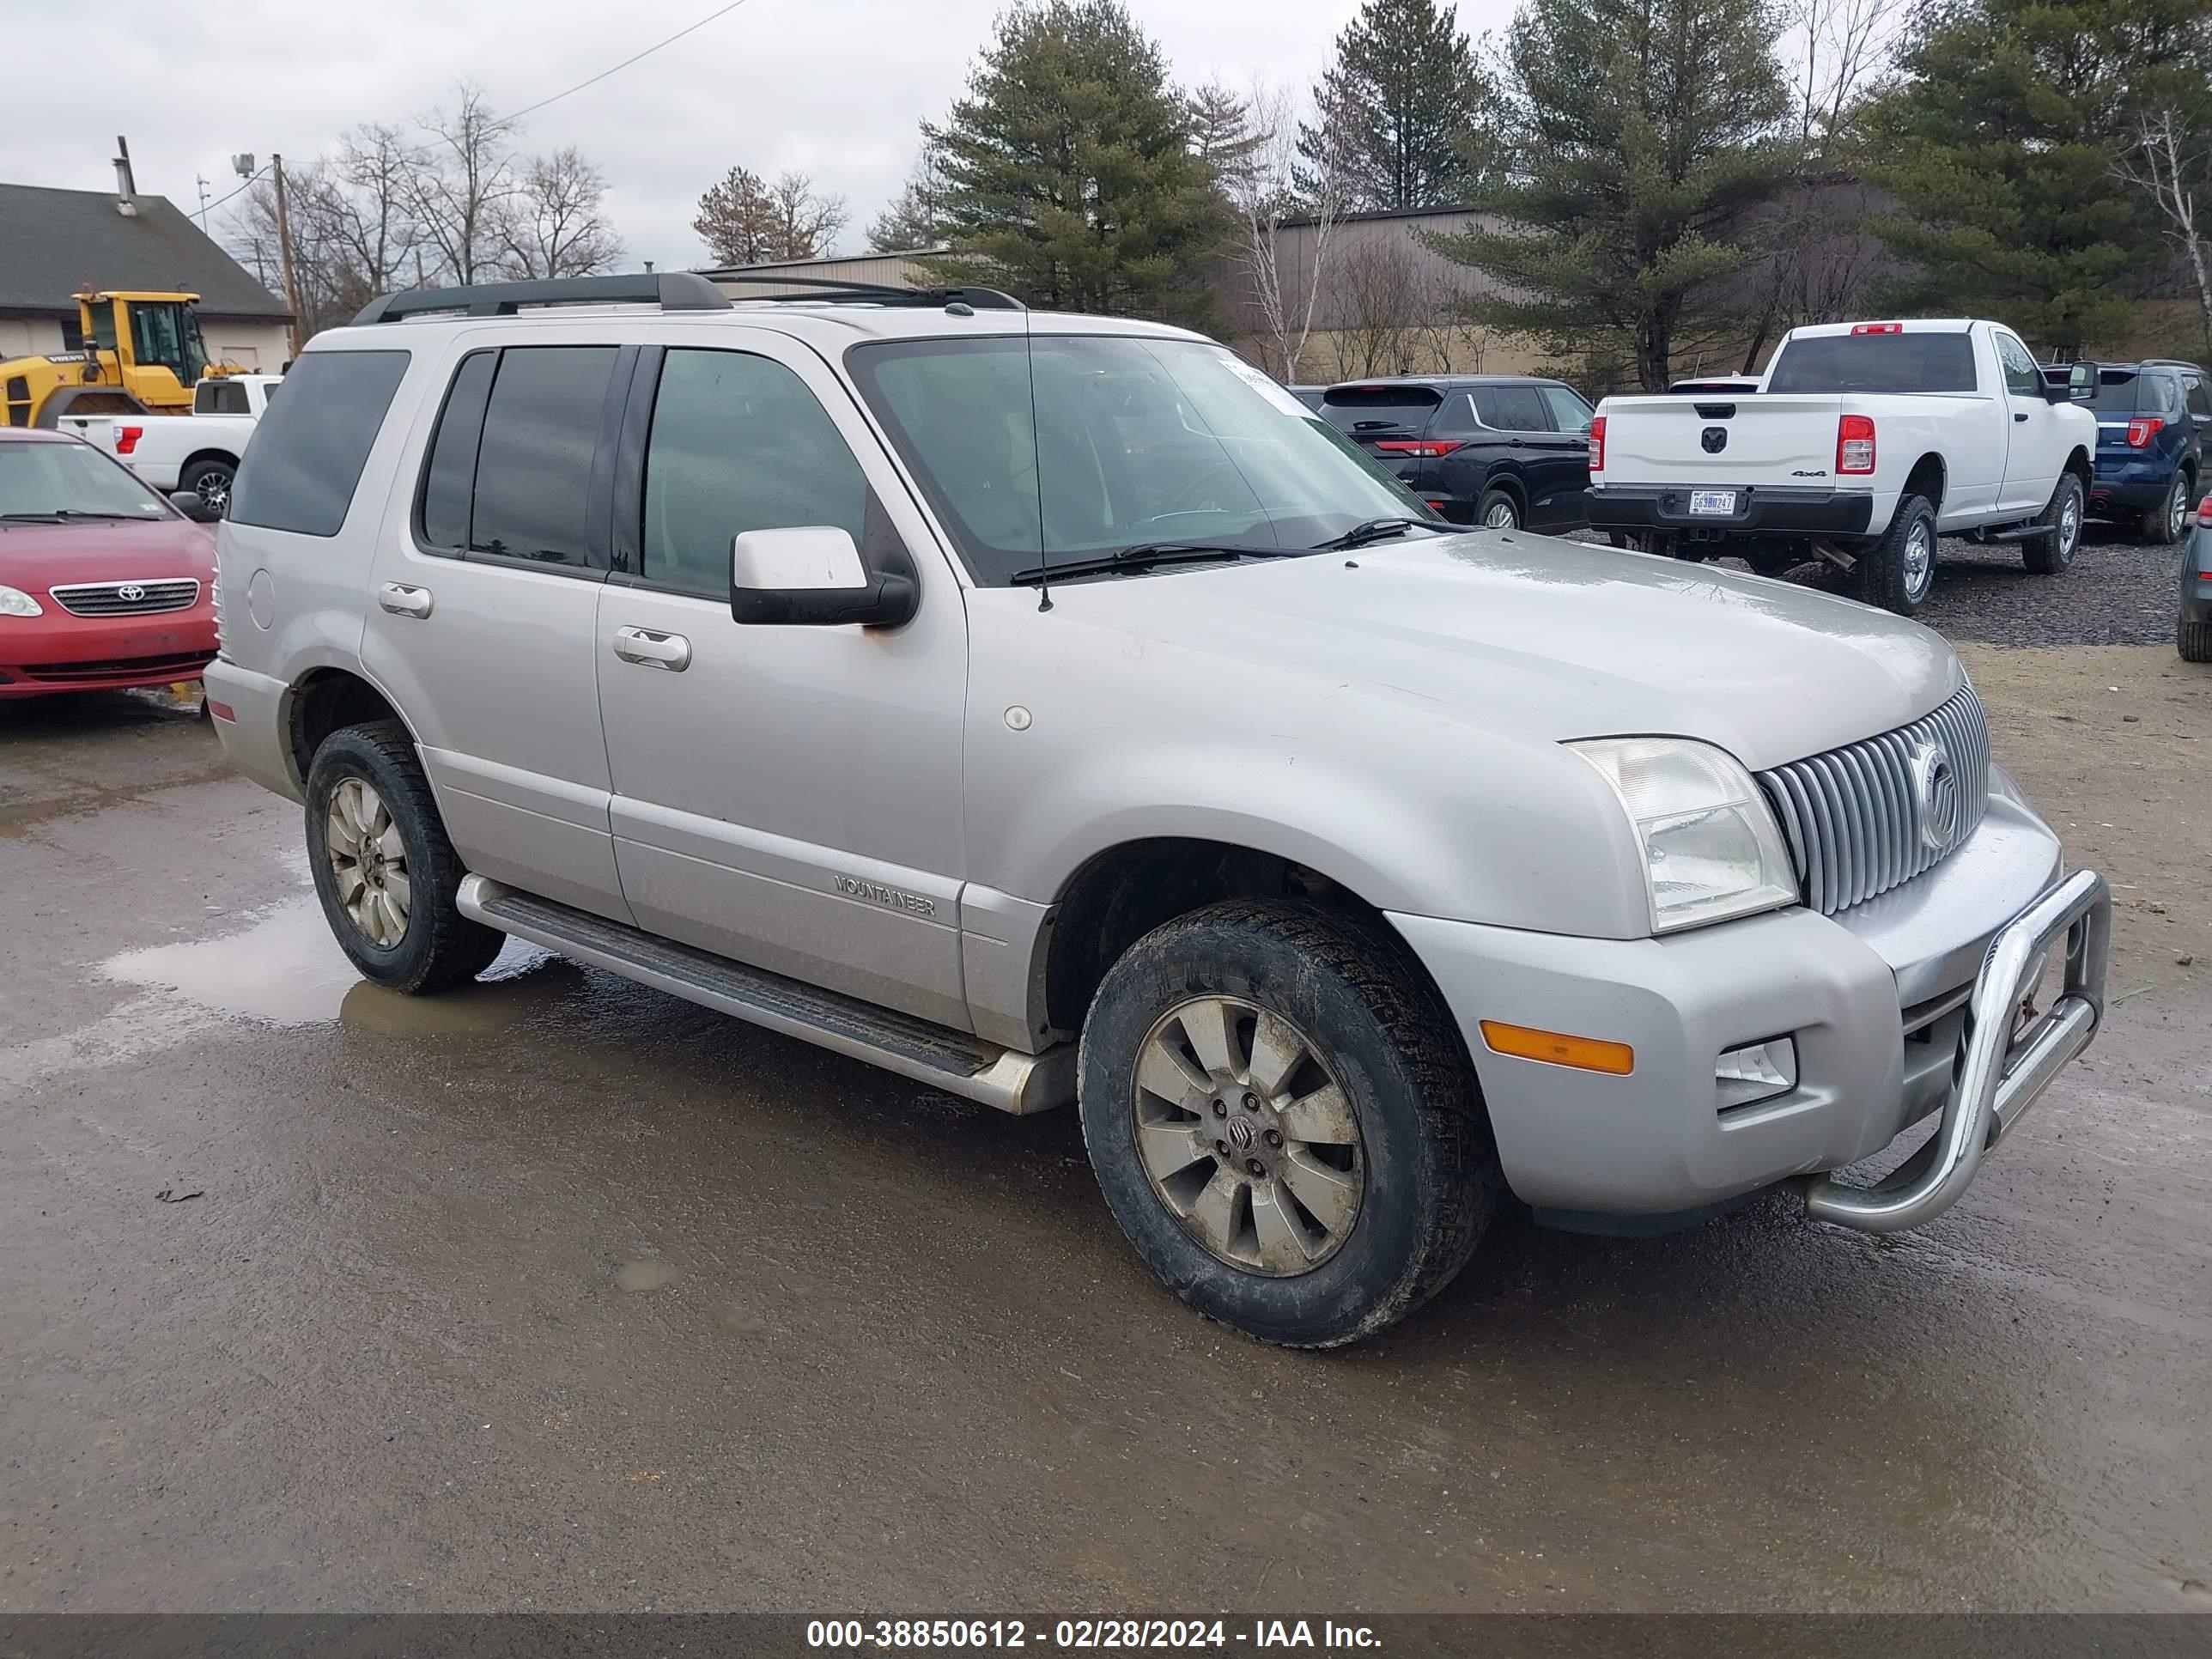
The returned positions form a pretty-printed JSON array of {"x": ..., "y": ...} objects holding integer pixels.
[{"x": 1995, "y": 1078}]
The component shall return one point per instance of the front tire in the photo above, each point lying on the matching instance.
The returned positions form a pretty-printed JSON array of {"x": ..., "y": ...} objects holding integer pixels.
[
  {"x": 1284, "y": 1122},
  {"x": 2059, "y": 527},
  {"x": 384, "y": 869},
  {"x": 1897, "y": 571},
  {"x": 2193, "y": 637}
]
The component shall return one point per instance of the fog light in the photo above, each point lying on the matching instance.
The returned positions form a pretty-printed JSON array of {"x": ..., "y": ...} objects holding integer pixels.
[{"x": 1756, "y": 1072}]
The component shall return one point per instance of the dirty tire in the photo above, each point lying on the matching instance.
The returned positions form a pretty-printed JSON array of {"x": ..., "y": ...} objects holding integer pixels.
[
  {"x": 1431, "y": 1166},
  {"x": 1887, "y": 573},
  {"x": 2059, "y": 529},
  {"x": 440, "y": 946},
  {"x": 1498, "y": 510},
  {"x": 2192, "y": 638},
  {"x": 2168, "y": 522},
  {"x": 211, "y": 481}
]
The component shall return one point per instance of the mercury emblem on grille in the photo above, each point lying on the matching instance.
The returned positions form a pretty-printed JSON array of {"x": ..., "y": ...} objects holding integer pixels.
[{"x": 1935, "y": 793}]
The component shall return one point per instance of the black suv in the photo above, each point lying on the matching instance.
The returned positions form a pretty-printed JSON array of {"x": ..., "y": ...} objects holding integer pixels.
[
  {"x": 2152, "y": 422},
  {"x": 1500, "y": 450}
]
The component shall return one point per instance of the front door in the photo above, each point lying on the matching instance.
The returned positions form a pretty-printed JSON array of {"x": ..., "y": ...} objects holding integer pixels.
[
  {"x": 481, "y": 618},
  {"x": 2038, "y": 443},
  {"x": 785, "y": 796}
]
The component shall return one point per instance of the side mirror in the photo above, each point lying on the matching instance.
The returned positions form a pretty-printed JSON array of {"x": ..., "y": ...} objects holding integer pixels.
[
  {"x": 188, "y": 502},
  {"x": 2081, "y": 384},
  {"x": 812, "y": 576}
]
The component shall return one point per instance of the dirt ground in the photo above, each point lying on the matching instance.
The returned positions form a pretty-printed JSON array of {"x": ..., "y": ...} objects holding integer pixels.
[{"x": 560, "y": 1294}]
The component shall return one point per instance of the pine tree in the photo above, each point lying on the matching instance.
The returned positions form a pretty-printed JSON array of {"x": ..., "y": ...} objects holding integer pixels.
[
  {"x": 914, "y": 218},
  {"x": 2002, "y": 149},
  {"x": 1221, "y": 131},
  {"x": 1398, "y": 101},
  {"x": 1069, "y": 174},
  {"x": 1644, "y": 137}
]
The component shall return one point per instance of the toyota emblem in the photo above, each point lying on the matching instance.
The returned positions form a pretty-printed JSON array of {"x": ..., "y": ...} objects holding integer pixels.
[
  {"x": 1935, "y": 793},
  {"x": 131, "y": 592}
]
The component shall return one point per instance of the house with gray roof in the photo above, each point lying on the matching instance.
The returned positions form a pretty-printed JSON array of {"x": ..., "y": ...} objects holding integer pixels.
[{"x": 55, "y": 242}]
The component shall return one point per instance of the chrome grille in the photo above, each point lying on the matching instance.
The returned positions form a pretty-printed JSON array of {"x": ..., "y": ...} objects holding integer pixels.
[
  {"x": 127, "y": 599},
  {"x": 1866, "y": 817}
]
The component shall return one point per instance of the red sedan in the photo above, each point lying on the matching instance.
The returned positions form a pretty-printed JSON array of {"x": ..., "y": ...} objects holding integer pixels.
[{"x": 103, "y": 583}]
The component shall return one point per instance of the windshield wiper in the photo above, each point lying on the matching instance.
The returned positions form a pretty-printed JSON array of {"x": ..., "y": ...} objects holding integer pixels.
[
  {"x": 1371, "y": 530},
  {"x": 63, "y": 514},
  {"x": 1145, "y": 555}
]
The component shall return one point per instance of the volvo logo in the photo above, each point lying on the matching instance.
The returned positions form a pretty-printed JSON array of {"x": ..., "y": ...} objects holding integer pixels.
[
  {"x": 131, "y": 592},
  {"x": 1935, "y": 793},
  {"x": 1714, "y": 439}
]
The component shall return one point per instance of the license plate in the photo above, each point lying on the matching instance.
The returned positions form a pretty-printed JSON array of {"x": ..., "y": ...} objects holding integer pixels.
[{"x": 1722, "y": 501}]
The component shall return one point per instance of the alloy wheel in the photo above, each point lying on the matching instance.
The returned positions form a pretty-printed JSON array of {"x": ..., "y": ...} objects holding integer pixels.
[
  {"x": 1500, "y": 517},
  {"x": 368, "y": 860},
  {"x": 1246, "y": 1136},
  {"x": 2176, "y": 509},
  {"x": 1919, "y": 560}
]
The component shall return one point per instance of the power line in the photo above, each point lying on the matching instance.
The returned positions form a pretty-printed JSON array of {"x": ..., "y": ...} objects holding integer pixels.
[
  {"x": 208, "y": 207},
  {"x": 532, "y": 108}
]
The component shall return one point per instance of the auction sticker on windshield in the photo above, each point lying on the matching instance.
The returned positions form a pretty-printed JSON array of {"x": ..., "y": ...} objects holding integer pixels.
[{"x": 1712, "y": 500}]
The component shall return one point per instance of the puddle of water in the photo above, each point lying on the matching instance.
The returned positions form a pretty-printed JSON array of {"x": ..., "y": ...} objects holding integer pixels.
[{"x": 286, "y": 969}]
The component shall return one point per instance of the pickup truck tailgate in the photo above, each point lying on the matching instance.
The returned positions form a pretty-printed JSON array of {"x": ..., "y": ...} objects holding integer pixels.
[{"x": 1773, "y": 437}]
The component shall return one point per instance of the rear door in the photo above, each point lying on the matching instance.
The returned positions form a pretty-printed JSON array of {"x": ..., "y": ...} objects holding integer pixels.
[
  {"x": 484, "y": 601},
  {"x": 1561, "y": 472}
]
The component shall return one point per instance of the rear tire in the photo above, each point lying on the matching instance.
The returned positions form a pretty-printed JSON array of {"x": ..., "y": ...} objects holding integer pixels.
[
  {"x": 1897, "y": 572},
  {"x": 2167, "y": 523},
  {"x": 2059, "y": 524},
  {"x": 1498, "y": 510},
  {"x": 211, "y": 481},
  {"x": 2192, "y": 638},
  {"x": 384, "y": 869},
  {"x": 1377, "y": 1120}
]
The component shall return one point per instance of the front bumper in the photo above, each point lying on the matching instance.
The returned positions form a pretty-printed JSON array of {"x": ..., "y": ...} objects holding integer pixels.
[
  {"x": 58, "y": 651},
  {"x": 1885, "y": 1002},
  {"x": 1761, "y": 510}
]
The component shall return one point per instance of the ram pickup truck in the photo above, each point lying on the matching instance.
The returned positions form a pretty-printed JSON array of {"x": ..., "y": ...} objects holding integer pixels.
[
  {"x": 1863, "y": 443},
  {"x": 199, "y": 452}
]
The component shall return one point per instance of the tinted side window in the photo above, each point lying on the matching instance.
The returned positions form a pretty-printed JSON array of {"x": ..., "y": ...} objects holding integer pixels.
[
  {"x": 1569, "y": 412},
  {"x": 2200, "y": 399},
  {"x": 307, "y": 455},
  {"x": 449, "y": 476},
  {"x": 534, "y": 458},
  {"x": 1510, "y": 408},
  {"x": 738, "y": 443}
]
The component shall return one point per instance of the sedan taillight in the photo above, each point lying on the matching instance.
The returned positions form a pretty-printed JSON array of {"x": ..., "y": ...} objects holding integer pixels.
[{"x": 1855, "y": 444}]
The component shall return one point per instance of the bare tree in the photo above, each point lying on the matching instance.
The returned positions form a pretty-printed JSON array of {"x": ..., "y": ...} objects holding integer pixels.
[
  {"x": 1845, "y": 48},
  {"x": 2172, "y": 165},
  {"x": 461, "y": 186},
  {"x": 1260, "y": 178},
  {"x": 1379, "y": 296},
  {"x": 746, "y": 221},
  {"x": 554, "y": 225}
]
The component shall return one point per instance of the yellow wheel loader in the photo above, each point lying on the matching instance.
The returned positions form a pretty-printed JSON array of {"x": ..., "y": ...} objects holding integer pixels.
[{"x": 142, "y": 352}]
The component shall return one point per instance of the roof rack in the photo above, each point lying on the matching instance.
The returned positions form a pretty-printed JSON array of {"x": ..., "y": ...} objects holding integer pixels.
[
  {"x": 833, "y": 291},
  {"x": 671, "y": 290}
]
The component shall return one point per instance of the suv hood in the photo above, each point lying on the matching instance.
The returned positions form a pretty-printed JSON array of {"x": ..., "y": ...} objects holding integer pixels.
[{"x": 1554, "y": 640}]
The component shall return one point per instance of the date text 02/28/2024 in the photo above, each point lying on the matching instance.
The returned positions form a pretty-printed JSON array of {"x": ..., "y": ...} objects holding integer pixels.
[{"x": 1084, "y": 1633}]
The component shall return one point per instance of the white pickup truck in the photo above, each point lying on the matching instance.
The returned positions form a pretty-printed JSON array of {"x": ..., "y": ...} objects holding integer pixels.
[
  {"x": 1863, "y": 443},
  {"x": 199, "y": 452}
]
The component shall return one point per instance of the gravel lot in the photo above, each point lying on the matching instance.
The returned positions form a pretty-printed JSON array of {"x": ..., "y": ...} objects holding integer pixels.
[{"x": 2120, "y": 592}]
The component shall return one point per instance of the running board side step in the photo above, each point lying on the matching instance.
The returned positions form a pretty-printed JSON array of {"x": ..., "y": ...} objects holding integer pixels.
[{"x": 955, "y": 1061}]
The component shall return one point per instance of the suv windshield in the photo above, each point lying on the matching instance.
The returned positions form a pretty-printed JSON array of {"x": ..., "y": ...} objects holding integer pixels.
[
  {"x": 1141, "y": 441},
  {"x": 45, "y": 480},
  {"x": 1917, "y": 362}
]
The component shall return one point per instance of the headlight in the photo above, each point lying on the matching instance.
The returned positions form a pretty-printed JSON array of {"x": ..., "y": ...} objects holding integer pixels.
[
  {"x": 14, "y": 602},
  {"x": 1711, "y": 848}
]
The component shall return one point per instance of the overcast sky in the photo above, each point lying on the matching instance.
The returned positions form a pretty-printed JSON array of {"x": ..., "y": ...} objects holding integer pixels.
[{"x": 834, "y": 87}]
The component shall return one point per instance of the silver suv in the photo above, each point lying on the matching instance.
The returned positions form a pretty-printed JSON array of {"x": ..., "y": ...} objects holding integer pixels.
[{"x": 1051, "y": 708}]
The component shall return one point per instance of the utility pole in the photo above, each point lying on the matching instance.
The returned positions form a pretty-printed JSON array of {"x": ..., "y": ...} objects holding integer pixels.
[
  {"x": 284, "y": 254},
  {"x": 202, "y": 185}
]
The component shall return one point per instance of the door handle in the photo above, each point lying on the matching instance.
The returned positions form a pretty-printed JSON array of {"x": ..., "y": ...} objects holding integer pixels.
[
  {"x": 2020, "y": 414},
  {"x": 650, "y": 648},
  {"x": 402, "y": 600}
]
